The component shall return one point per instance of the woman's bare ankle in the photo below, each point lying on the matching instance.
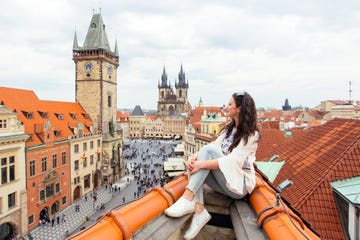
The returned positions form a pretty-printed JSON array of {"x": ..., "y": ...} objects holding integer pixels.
[
  {"x": 189, "y": 195},
  {"x": 198, "y": 208}
]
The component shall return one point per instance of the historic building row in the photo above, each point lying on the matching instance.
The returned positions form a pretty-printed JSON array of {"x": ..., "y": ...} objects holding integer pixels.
[{"x": 52, "y": 152}]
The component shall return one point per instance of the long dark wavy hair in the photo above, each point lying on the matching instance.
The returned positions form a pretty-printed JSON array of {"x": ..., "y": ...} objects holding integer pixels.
[{"x": 247, "y": 119}]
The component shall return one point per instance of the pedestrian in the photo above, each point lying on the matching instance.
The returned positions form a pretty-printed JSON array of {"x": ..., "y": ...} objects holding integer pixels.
[
  {"x": 58, "y": 219},
  {"x": 85, "y": 197},
  {"x": 63, "y": 218},
  {"x": 229, "y": 160},
  {"x": 123, "y": 199},
  {"x": 52, "y": 221}
]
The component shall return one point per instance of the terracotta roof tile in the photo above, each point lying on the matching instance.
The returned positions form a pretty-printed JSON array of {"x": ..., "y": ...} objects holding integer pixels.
[
  {"x": 314, "y": 159},
  {"x": 25, "y": 101}
]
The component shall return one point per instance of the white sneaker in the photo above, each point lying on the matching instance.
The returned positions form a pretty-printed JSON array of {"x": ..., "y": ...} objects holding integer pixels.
[
  {"x": 180, "y": 208},
  {"x": 197, "y": 223}
]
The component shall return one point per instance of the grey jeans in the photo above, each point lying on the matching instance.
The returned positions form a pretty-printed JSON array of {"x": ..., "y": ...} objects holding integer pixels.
[{"x": 213, "y": 178}]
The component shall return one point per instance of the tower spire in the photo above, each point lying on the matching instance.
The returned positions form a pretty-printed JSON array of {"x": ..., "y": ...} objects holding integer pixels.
[{"x": 75, "y": 43}]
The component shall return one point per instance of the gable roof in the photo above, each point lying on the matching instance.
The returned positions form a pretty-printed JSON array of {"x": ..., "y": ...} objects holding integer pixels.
[
  {"x": 313, "y": 160},
  {"x": 44, "y": 112}
]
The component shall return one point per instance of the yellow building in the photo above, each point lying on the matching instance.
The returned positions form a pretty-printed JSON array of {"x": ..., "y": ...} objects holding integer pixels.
[
  {"x": 13, "y": 195},
  {"x": 174, "y": 126},
  {"x": 137, "y": 123},
  {"x": 85, "y": 153},
  {"x": 153, "y": 128}
]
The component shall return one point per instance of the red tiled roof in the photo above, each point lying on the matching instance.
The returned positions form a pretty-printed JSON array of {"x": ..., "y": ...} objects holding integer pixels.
[
  {"x": 337, "y": 102},
  {"x": 122, "y": 116},
  {"x": 270, "y": 139},
  {"x": 196, "y": 113},
  {"x": 314, "y": 159},
  {"x": 152, "y": 117},
  {"x": 25, "y": 101}
]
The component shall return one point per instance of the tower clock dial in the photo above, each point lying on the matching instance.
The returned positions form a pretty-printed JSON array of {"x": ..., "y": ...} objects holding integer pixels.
[
  {"x": 88, "y": 67},
  {"x": 109, "y": 69}
]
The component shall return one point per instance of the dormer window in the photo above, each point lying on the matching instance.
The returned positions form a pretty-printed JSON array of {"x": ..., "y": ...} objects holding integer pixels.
[
  {"x": 43, "y": 114},
  {"x": 86, "y": 115},
  {"x": 73, "y": 116},
  {"x": 59, "y": 116},
  {"x": 30, "y": 139},
  {"x": 57, "y": 133},
  {"x": 28, "y": 115}
]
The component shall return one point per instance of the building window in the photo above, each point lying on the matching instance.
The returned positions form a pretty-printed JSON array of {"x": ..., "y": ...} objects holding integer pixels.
[
  {"x": 109, "y": 101},
  {"x": 98, "y": 142},
  {"x": 87, "y": 181},
  {"x": 76, "y": 165},
  {"x": 57, "y": 187},
  {"x": 12, "y": 173},
  {"x": 63, "y": 158},
  {"x": 76, "y": 180},
  {"x": 32, "y": 168},
  {"x": 49, "y": 190},
  {"x": 3, "y": 170},
  {"x": 44, "y": 164},
  {"x": 42, "y": 195},
  {"x": 84, "y": 146},
  {"x": 11, "y": 200},
  {"x": 64, "y": 200},
  {"x": 7, "y": 169},
  {"x": 76, "y": 148},
  {"x": 59, "y": 116},
  {"x": 54, "y": 160},
  {"x": 85, "y": 162},
  {"x": 91, "y": 159},
  {"x": 73, "y": 116},
  {"x": 3, "y": 123},
  {"x": 31, "y": 219},
  {"x": 91, "y": 144}
]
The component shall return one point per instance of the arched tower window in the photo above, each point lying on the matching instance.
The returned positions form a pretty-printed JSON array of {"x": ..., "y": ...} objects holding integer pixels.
[
  {"x": 180, "y": 93},
  {"x": 109, "y": 101}
]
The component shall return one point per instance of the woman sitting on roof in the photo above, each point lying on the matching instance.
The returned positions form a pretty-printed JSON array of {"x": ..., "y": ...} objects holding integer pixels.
[{"x": 226, "y": 164}]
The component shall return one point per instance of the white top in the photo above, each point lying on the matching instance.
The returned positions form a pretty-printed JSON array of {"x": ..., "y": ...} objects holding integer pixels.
[{"x": 239, "y": 164}]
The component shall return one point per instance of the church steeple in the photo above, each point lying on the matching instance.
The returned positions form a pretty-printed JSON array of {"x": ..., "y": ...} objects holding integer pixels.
[
  {"x": 182, "y": 83},
  {"x": 181, "y": 76},
  {"x": 164, "y": 79}
]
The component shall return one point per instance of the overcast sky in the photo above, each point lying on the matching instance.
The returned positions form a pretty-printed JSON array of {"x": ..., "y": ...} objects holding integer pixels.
[{"x": 307, "y": 51}]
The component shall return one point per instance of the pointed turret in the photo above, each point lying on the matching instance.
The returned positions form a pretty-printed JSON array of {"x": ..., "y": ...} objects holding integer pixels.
[
  {"x": 75, "y": 43},
  {"x": 116, "y": 51}
]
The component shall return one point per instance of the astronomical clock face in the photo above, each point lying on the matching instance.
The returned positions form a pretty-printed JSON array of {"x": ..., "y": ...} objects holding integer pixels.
[
  {"x": 109, "y": 69},
  {"x": 88, "y": 67}
]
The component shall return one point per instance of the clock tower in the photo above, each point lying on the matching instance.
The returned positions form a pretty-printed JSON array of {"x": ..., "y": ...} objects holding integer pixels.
[{"x": 96, "y": 90}]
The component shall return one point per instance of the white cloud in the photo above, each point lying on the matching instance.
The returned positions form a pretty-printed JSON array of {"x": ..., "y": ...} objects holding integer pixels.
[{"x": 275, "y": 50}]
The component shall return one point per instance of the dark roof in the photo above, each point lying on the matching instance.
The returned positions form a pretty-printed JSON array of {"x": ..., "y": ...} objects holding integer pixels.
[{"x": 137, "y": 111}]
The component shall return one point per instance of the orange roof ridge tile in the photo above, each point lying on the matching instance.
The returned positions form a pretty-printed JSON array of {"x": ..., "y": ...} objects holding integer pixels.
[{"x": 284, "y": 223}]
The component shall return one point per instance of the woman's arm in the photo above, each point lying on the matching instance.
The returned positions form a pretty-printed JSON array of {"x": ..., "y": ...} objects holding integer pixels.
[{"x": 195, "y": 166}]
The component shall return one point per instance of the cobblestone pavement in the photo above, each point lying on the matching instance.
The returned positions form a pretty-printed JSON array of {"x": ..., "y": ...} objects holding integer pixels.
[{"x": 73, "y": 220}]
